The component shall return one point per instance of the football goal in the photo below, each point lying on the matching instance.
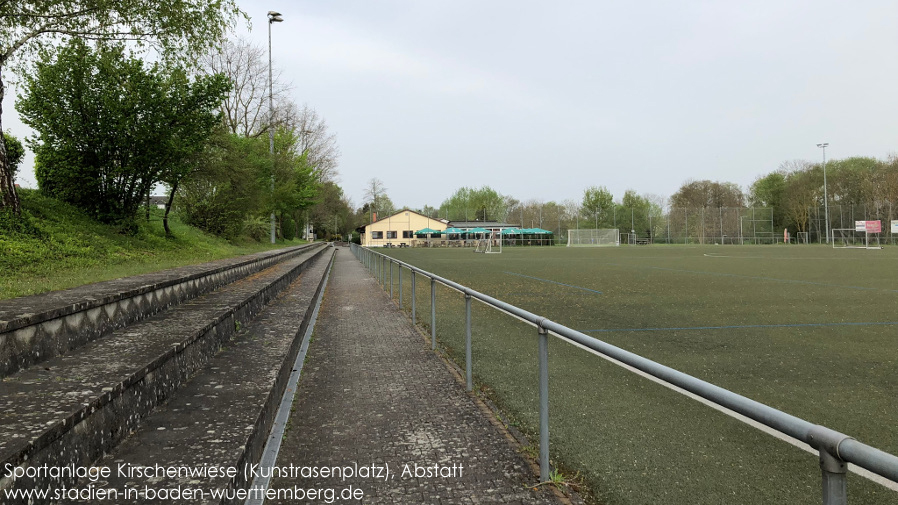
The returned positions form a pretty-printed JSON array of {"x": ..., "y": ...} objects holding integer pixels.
[
  {"x": 486, "y": 245},
  {"x": 593, "y": 238},
  {"x": 850, "y": 238}
]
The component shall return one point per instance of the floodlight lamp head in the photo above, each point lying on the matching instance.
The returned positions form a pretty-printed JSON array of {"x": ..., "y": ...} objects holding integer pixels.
[
  {"x": 274, "y": 17},
  {"x": 824, "y": 144}
]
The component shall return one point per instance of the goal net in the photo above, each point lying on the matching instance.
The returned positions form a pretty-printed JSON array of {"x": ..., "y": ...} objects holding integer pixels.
[
  {"x": 850, "y": 238},
  {"x": 593, "y": 238}
]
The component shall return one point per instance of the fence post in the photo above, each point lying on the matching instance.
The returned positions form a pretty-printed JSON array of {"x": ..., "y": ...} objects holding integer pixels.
[
  {"x": 391, "y": 279},
  {"x": 543, "y": 404},
  {"x": 400, "y": 287},
  {"x": 468, "y": 374},
  {"x": 414, "y": 295},
  {"x": 833, "y": 479},
  {"x": 433, "y": 314}
]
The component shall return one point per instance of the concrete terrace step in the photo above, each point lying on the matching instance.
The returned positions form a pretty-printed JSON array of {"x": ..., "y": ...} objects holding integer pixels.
[
  {"x": 36, "y": 328},
  {"x": 74, "y": 408},
  {"x": 223, "y": 415}
]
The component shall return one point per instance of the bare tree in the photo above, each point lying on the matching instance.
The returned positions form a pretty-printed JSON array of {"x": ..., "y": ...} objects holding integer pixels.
[
  {"x": 315, "y": 140},
  {"x": 245, "y": 109},
  {"x": 374, "y": 193}
]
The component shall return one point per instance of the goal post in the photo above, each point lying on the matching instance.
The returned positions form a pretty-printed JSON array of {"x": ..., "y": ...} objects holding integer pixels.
[
  {"x": 593, "y": 238},
  {"x": 486, "y": 245},
  {"x": 852, "y": 238}
]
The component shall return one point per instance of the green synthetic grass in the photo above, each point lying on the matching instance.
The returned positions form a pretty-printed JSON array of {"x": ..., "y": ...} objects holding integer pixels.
[
  {"x": 806, "y": 329},
  {"x": 60, "y": 247}
]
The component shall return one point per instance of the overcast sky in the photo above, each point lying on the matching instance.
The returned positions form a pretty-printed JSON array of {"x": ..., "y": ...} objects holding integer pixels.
[{"x": 541, "y": 99}]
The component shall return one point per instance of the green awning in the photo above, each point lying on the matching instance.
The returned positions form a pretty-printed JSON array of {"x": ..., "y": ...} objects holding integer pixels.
[
  {"x": 478, "y": 230},
  {"x": 425, "y": 231},
  {"x": 454, "y": 230},
  {"x": 510, "y": 231}
]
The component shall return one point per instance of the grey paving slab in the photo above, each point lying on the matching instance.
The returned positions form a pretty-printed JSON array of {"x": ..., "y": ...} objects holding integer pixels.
[{"x": 378, "y": 413}]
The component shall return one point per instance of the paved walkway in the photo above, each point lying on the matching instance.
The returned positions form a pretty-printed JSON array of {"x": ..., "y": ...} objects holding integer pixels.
[{"x": 372, "y": 394}]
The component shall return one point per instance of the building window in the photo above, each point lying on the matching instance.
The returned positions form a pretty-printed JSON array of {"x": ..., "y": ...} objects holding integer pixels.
[
  {"x": 391, "y": 234},
  {"x": 376, "y": 235},
  {"x": 407, "y": 234}
]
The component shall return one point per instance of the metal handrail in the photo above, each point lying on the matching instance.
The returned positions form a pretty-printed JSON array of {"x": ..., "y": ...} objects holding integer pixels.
[{"x": 835, "y": 449}]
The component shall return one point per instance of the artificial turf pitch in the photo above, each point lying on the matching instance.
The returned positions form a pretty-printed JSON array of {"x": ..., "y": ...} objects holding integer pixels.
[{"x": 809, "y": 330}]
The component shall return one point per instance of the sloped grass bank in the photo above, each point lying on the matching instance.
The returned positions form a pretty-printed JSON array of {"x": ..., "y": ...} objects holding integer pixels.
[{"x": 57, "y": 246}]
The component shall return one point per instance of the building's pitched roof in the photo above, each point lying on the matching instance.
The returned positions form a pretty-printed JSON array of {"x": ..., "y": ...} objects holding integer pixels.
[
  {"x": 403, "y": 211},
  {"x": 480, "y": 224}
]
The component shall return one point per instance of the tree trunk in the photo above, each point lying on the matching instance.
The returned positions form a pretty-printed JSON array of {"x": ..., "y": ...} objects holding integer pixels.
[
  {"x": 171, "y": 198},
  {"x": 8, "y": 197}
]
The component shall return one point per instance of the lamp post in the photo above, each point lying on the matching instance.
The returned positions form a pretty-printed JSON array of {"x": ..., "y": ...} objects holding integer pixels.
[
  {"x": 273, "y": 17},
  {"x": 825, "y": 196}
]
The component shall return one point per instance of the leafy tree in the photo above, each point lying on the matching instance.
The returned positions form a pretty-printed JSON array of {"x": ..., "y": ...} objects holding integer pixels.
[
  {"x": 177, "y": 30},
  {"x": 15, "y": 152},
  {"x": 295, "y": 182},
  {"x": 429, "y": 211},
  {"x": 224, "y": 193},
  {"x": 697, "y": 194},
  {"x": 852, "y": 181},
  {"x": 633, "y": 213},
  {"x": 598, "y": 203},
  {"x": 769, "y": 191},
  {"x": 804, "y": 190},
  {"x": 332, "y": 213},
  {"x": 109, "y": 129},
  {"x": 468, "y": 204}
]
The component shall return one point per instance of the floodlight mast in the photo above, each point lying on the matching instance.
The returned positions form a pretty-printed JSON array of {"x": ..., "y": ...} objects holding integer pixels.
[
  {"x": 823, "y": 146},
  {"x": 273, "y": 17}
]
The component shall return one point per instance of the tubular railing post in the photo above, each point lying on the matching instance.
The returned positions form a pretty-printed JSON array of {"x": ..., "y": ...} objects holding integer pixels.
[
  {"x": 543, "y": 404},
  {"x": 834, "y": 481},
  {"x": 391, "y": 279},
  {"x": 414, "y": 295},
  {"x": 433, "y": 314},
  {"x": 400, "y": 287},
  {"x": 468, "y": 375}
]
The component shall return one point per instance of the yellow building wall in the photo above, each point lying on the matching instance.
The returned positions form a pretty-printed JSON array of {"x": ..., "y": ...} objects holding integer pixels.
[{"x": 405, "y": 221}]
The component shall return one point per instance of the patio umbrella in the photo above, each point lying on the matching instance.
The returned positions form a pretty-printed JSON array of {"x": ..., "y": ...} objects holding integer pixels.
[
  {"x": 425, "y": 231},
  {"x": 478, "y": 230},
  {"x": 510, "y": 231},
  {"x": 454, "y": 230}
]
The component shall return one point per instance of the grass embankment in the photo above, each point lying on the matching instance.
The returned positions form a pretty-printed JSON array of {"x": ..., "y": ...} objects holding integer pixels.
[
  {"x": 805, "y": 329},
  {"x": 60, "y": 247}
]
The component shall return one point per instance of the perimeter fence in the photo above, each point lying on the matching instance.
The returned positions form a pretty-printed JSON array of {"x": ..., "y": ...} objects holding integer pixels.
[
  {"x": 835, "y": 450},
  {"x": 740, "y": 225}
]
